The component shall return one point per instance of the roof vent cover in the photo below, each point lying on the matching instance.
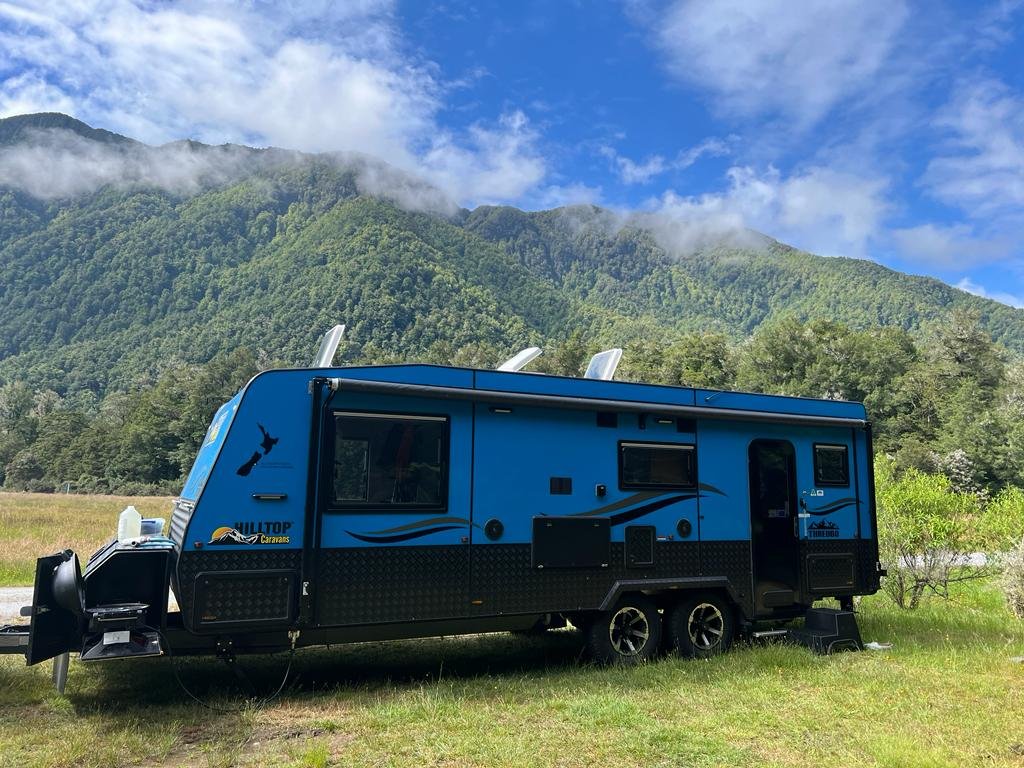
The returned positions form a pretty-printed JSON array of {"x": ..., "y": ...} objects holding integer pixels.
[
  {"x": 328, "y": 346},
  {"x": 522, "y": 359},
  {"x": 603, "y": 364}
]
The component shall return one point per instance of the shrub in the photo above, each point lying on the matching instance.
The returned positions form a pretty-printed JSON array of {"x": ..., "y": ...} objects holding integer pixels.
[
  {"x": 1001, "y": 525},
  {"x": 1012, "y": 579},
  {"x": 924, "y": 533},
  {"x": 23, "y": 471}
]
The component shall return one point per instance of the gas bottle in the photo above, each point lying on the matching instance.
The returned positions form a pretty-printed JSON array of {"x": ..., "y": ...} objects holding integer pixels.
[{"x": 129, "y": 524}]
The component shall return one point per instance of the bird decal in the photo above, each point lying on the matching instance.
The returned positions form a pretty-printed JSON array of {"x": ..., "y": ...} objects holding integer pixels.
[{"x": 268, "y": 442}]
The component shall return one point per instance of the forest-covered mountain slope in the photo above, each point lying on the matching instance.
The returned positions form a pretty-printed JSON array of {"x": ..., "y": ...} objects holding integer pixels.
[{"x": 118, "y": 260}]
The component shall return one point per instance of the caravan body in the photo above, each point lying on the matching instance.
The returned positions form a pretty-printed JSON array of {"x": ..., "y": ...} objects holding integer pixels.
[{"x": 367, "y": 503}]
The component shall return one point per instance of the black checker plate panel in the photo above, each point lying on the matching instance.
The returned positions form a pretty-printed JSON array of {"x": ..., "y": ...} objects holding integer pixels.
[
  {"x": 506, "y": 583},
  {"x": 863, "y": 555},
  {"x": 191, "y": 564},
  {"x": 826, "y": 572},
  {"x": 367, "y": 585},
  {"x": 640, "y": 545},
  {"x": 730, "y": 559},
  {"x": 245, "y": 598}
]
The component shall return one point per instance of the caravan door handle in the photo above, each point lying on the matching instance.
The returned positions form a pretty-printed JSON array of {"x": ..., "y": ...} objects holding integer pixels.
[{"x": 464, "y": 539}]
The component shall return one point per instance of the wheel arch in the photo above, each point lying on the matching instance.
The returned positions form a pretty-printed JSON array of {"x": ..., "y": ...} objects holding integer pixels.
[{"x": 659, "y": 589}]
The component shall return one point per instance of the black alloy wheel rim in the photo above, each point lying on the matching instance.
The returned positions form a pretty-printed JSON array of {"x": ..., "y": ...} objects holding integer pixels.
[
  {"x": 629, "y": 631},
  {"x": 705, "y": 625}
]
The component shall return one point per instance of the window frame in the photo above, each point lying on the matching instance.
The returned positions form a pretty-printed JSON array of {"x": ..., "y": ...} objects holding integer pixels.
[
  {"x": 691, "y": 448},
  {"x": 817, "y": 467},
  {"x": 328, "y": 454}
]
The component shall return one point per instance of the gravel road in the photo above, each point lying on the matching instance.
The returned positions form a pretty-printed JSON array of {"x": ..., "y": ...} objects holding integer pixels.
[{"x": 11, "y": 601}]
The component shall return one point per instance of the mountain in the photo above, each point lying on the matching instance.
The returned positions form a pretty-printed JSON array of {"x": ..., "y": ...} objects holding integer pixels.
[{"x": 118, "y": 259}]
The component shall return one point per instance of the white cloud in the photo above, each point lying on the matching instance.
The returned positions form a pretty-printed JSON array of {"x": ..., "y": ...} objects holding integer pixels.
[
  {"x": 819, "y": 209},
  {"x": 58, "y": 163},
  {"x": 314, "y": 76},
  {"x": 499, "y": 163},
  {"x": 632, "y": 172},
  {"x": 966, "y": 284},
  {"x": 982, "y": 169},
  {"x": 949, "y": 245},
  {"x": 777, "y": 57}
]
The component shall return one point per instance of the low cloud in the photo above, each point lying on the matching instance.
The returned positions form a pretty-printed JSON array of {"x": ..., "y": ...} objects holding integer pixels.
[
  {"x": 311, "y": 76},
  {"x": 497, "y": 163},
  {"x": 54, "y": 163},
  {"x": 818, "y": 209},
  {"x": 374, "y": 177},
  {"x": 59, "y": 163}
]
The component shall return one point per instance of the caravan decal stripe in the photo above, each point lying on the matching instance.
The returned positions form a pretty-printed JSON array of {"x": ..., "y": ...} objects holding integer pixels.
[
  {"x": 402, "y": 536},
  {"x": 633, "y": 514},
  {"x": 835, "y": 506},
  {"x": 423, "y": 524},
  {"x": 711, "y": 489},
  {"x": 636, "y": 498}
]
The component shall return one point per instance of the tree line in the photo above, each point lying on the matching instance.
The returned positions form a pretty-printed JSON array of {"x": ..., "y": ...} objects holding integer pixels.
[{"x": 948, "y": 401}]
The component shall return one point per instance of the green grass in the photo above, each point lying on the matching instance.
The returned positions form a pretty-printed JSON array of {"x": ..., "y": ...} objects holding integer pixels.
[
  {"x": 945, "y": 695},
  {"x": 35, "y": 524}
]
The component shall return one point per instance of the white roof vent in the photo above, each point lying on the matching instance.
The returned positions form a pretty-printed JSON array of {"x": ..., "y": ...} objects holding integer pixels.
[
  {"x": 522, "y": 359},
  {"x": 328, "y": 346},
  {"x": 603, "y": 364}
]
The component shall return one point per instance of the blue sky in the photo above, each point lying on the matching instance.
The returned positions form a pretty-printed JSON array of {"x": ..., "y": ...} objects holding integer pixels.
[{"x": 879, "y": 129}]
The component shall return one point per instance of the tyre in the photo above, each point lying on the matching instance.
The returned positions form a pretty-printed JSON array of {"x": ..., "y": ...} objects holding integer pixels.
[
  {"x": 630, "y": 633},
  {"x": 701, "y": 626}
]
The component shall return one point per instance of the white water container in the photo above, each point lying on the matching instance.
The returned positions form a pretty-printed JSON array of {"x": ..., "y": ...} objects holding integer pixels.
[{"x": 129, "y": 525}]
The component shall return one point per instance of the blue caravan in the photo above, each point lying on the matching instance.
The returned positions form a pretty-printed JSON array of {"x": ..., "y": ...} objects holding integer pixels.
[{"x": 335, "y": 505}]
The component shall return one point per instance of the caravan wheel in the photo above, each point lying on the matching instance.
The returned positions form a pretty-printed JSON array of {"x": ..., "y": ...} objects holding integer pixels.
[
  {"x": 627, "y": 634},
  {"x": 701, "y": 626}
]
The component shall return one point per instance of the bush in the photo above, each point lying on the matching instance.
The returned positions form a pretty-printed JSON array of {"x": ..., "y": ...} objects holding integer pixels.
[
  {"x": 1012, "y": 579},
  {"x": 1001, "y": 525},
  {"x": 23, "y": 472},
  {"x": 924, "y": 533}
]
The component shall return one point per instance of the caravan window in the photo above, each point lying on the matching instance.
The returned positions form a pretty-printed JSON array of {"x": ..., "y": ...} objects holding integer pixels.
[
  {"x": 388, "y": 461},
  {"x": 656, "y": 465},
  {"x": 831, "y": 465}
]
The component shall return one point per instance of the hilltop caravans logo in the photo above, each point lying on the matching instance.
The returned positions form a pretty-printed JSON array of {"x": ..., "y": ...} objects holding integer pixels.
[{"x": 253, "y": 532}]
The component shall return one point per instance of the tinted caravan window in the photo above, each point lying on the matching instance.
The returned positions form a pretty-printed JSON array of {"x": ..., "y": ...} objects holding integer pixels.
[
  {"x": 831, "y": 465},
  {"x": 656, "y": 465},
  {"x": 389, "y": 461}
]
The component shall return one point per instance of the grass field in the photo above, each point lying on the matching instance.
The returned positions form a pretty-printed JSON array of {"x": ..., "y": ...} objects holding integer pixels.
[
  {"x": 947, "y": 694},
  {"x": 36, "y": 524}
]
